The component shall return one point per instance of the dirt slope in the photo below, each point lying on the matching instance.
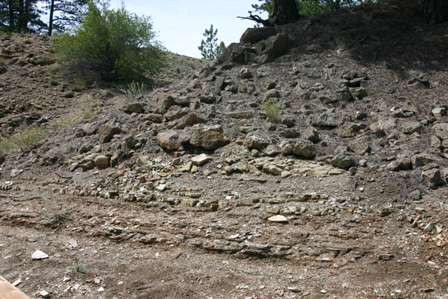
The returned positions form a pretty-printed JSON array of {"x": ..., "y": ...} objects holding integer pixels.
[{"x": 311, "y": 162}]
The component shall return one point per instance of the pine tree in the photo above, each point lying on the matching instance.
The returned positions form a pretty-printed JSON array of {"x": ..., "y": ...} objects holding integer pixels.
[
  {"x": 65, "y": 14},
  {"x": 210, "y": 49}
]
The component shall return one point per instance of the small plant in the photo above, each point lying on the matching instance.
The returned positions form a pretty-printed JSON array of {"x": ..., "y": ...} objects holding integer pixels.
[
  {"x": 272, "y": 111},
  {"x": 79, "y": 268},
  {"x": 135, "y": 90}
]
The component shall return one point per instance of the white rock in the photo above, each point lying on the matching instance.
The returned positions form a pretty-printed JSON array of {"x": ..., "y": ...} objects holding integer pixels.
[
  {"x": 201, "y": 159},
  {"x": 278, "y": 219},
  {"x": 39, "y": 255},
  {"x": 44, "y": 294},
  {"x": 161, "y": 187}
]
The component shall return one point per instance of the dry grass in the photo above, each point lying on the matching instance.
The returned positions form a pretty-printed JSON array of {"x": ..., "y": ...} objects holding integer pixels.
[
  {"x": 84, "y": 111},
  {"x": 22, "y": 141}
]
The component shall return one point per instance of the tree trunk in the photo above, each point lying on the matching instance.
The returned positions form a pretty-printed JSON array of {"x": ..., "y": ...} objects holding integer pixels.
[
  {"x": 50, "y": 21},
  {"x": 435, "y": 11},
  {"x": 284, "y": 12},
  {"x": 11, "y": 11},
  {"x": 21, "y": 20}
]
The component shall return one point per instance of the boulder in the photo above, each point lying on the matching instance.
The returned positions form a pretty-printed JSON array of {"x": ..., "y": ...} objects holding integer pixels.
[
  {"x": 304, "y": 149},
  {"x": 433, "y": 178},
  {"x": 255, "y": 35},
  {"x": 343, "y": 160},
  {"x": 256, "y": 141},
  {"x": 189, "y": 120},
  {"x": 208, "y": 137},
  {"x": 274, "y": 47},
  {"x": 201, "y": 159},
  {"x": 106, "y": 133},
  {"x": 326, "y": 120},
  {"x": 441, "y": 130},
  {"x": 401, "y": 163},
  {"x": 170, "y": 140},
  {"x": 134, "y": 108},
  {"x": 102, "y": 162},
  {"x": 311, "y": 134},
  {"x": 237, "y": 53}
]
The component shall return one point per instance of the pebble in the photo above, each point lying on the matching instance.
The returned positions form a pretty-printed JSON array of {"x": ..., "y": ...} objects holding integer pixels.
[
  {"x": 44, "y": 294},
  {"x": 201, "y": 159},
  {"x": 39, "y": 255},
  {"x": 278, "y": 219}
]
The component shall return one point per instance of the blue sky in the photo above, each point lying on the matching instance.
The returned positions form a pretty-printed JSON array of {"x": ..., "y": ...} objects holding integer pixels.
[{"x": 181, "y": 23}]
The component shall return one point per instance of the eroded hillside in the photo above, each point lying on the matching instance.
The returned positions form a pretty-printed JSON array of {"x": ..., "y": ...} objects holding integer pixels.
[{"x": 310, "y": 162}]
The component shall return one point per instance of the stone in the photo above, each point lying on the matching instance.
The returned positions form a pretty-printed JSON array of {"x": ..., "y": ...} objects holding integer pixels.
[
  {"x": 359, "y": 93},
  {"x": 106, "y": 133},
  {"x": 2, "y": 159},
  {"x": 343, "y": 160},
  {"x": 201, "y": 159},
  {"x": 238, "y": 53},
  {"x": 272, "y": 169},
  {"x": 163, "y": 103},
  {"x": 422, "y": 159},
  {"x": 433, "y": 178},
  {"x": 256, "y": 140},
  {"x": 326, "y": 120},
  {"x": 402, "y": 163},
  {"x": 208, "y": 137},
  {"x": 441, "y": 130},
  {"x": 343, "y": 95},
  {"x": 278, "y": 219},
  {"x": 134, "y": 108},
  {"x": 176, "y": 112},
  {"x": 189, "y": 120},
  {"x": 410, "y": 127},
  {"x": 272, "y": 94},
  {"x": 102, "y": 162},
  {"x": 274, "y": 47},
  {"x": 245, "y": 73},
  {"x": 255, "y": 35},
  {"x": 153, "y": 118},
  {"x": 272, "y": 150},
  {"x": 438, "y": 112},
  {"x": 415, "y": 195},
  {"x": 383, "y": 126},
  {"x": 304, "y": 149},
  {"x": 170, "y": 140},
  {"x": 39, "y": 255},
  {"x": 44, "y": 294},
  {"x": 130, "y": 142}
]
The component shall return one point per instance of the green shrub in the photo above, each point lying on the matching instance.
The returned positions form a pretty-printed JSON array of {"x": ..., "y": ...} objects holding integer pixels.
[
  {"x": 134, "y": 90},
  {"x": 272, "y": 110},
  {"x": 114, "y": 44}
]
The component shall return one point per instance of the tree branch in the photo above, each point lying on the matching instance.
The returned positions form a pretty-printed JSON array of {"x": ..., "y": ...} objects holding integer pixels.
[{"x": 257, "y": 19}]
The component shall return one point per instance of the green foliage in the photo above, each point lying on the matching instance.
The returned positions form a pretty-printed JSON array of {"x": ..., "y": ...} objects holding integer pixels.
[
  {"x": 210, "y": 49},
  {"x": 272, "y": 110},
  {"x": 114, "y": 44},
  {"x": 135, "y": 89},
  {"x": 314, "y": 7}
]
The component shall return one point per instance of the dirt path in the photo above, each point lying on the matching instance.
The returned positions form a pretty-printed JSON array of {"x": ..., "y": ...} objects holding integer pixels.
[{"x": 107, "y": 248}]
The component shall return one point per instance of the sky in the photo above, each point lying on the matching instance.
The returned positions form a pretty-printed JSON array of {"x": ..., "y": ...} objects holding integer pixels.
[{"x": 180, "y": 24}]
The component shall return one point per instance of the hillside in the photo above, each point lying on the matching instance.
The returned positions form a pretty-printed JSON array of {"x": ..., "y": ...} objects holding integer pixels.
[{"x": 311, "y": 161}]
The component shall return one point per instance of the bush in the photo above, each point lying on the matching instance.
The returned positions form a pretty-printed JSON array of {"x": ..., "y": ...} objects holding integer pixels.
[
  {"x": 273, "y": 111},
  {"x": 114, "y": 44}
]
